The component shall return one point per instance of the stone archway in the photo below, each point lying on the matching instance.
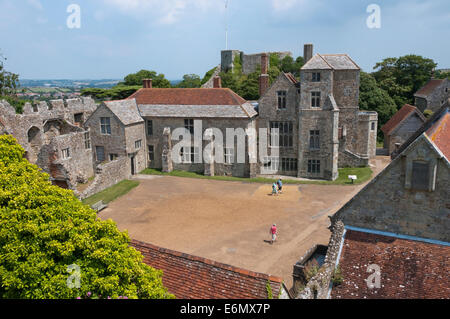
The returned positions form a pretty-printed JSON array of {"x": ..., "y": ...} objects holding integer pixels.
[{"x": 35, "y": 139}]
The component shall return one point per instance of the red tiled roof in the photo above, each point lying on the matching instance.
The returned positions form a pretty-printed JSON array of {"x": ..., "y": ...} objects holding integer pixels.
[
  {"x": 196, "y": 96},
  {"x": 399, "y": 117},
  {"x": 429, "y": 87},
  {"x": 191, "y": 277},
  {"x": 409, "y": 269},
  {"x": 439, "y": 133}
]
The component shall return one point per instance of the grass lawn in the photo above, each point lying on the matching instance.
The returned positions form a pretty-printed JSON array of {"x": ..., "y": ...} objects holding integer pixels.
[
  {"x": 363, "y": 173},
  {"x": 111, "y": 193}
]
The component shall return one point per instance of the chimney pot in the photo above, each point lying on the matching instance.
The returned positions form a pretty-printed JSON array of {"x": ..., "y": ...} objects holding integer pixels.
[
  {"x": 147, "y": 83},
  {"x": 217, "y": 82}
]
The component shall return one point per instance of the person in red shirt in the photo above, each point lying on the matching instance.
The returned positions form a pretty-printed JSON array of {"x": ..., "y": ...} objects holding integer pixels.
[{"x": 273, "y": 232}]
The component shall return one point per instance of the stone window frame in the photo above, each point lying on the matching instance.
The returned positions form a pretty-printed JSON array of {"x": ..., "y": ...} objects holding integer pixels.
[
  {"x": 150, "y": 127},
  {"x": 65, "y": 153},
  {"x": 282, "y": 99},
  {"x": 314, "y": 140},
  {"x": 228, "y": 154},
  {"x": 97, "y": 147},
  {"x": 424, "y": 156},
  {"x": 189, "y": 125},
  {"x": 189, "y": 156},
  {"x": 289, "y": 164},
  {"x": 285, "y": 137},
  {"x": 315, "y": 99},
  {"x": 314, "y": 166},
  {"x": 138, "y": 144},
  {"x": 87, "y": 140},
  {"x": 315, "y": 77},
  {"x": 113, "y": 157},
  {"x": 151, "y": 153},
  {"x": 105, "y": 125},
  {"x": 271, "y": 163}
]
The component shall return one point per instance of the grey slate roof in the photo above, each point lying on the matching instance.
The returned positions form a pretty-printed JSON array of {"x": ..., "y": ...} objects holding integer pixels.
[
  {"x": 331, "y": 62},
  {"x": 125, "y": 110},
  {"x": 245, "y": 110}
]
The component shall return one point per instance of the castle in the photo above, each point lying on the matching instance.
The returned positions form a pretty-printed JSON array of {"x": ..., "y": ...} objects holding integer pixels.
[{"x": 320, "y": 128}]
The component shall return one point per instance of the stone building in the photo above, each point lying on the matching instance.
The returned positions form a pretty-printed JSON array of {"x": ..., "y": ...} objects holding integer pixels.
[
  {"x": 117, "y": 130},
  {"x": 320, "y": 125},
  {"x": 392, "y": 239},
  {"x": 433, "y": 95},
  {"x": 165, "y": 110},
  {"x": 401, "y": 126},
  {"x": 250, "y": 62},
  {"x": 53, "y": 138}
]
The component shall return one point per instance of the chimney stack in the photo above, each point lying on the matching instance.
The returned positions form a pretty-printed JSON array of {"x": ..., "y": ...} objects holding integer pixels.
[
  {"x": 147, "y": 83},
  {"x": 264, "y": 77},
  {"x": 307, "y": 52},
  {"x": 217, "y": 82}
]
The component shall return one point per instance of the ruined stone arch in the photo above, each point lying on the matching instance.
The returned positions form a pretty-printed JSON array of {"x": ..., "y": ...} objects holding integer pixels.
[{"x": 34, "y": 136}]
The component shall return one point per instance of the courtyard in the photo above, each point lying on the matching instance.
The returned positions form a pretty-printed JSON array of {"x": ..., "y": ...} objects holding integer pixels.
[{"x": 229, "y": 221}]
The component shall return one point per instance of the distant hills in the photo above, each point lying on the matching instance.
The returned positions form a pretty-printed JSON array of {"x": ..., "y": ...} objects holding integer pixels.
[{"x": 75, "y": 84}]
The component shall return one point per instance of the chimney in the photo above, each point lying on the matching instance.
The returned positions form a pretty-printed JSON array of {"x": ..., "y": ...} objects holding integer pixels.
[
  {"x": 264, "y": 77},
  {"x": 264, "y": 63},
  {"x": 217, "y": 82},
  {"x": 307, "y": 52},
  {"x": 147, "y": 83}
]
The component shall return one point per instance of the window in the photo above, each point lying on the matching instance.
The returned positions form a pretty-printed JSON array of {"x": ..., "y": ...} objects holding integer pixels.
[
  {"x": 188, "y": 154},
  {"x": 229, "y": 155},
  {"x": 285, "y": 134},
  {"x": 315, "y": 99},
  {"x": 314, "y": 166},
  {"x": 35, "y": 108},
  {"x": 105, "y": 125},
  {"x": 289, "y": 164},
  {"x": 78, "y": 118},
  {"x": 65, "y": 153},
  {"x": 149, "y": 127},
  {"x": 271, "y": 164},
  {"x": 420, "y": 176},
  {"x": 189, "y": 125},
  {"x": 151, "y": 153},
  {"x": 281, "y": 100},
  {"x": 113, "y": 157},
  {"x": 314, "y": 140},
  {"x": 138, "y": 144},
  {"x": 316, "y": 77},
  {"x": 100, "y": 152},
  {"x": 373, "y": 126},
  {"x": 87, "y": 141}
]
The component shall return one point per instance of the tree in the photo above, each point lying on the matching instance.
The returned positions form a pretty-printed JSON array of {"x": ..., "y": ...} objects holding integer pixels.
[
  {"x": 45, "y": 229},
  {"x": 159, "y": 81},
  {"x": 404, "y": 76},
  {"x": 373, "y": 98},
  {"x": 9, "y": 82},
  {"x": 190, "y": 81},
  {"x": 442, "y": 75}
]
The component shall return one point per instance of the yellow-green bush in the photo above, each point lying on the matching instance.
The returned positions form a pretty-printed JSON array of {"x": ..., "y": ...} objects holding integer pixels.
[{"x": 44, "y": 229}]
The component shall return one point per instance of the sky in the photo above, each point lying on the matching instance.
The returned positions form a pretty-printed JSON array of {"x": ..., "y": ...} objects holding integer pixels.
[{"x": 177, "y": 37}]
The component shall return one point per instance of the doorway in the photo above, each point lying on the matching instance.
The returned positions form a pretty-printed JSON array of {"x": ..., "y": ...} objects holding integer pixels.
[{"x": 133, "y": 168}]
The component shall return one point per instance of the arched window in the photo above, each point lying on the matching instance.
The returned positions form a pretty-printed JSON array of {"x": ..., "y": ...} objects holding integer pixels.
[{"x": 34, "y": 135}]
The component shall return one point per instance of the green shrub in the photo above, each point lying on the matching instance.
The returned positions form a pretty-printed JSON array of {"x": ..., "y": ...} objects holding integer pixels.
[
  {"x": 337, "y": 277},
  {"x": 44, "y": 229}
]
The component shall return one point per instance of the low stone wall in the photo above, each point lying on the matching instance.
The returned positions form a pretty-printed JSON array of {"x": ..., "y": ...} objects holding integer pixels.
[
  {"x": 319, "y": 286},
  {"x": 107, "y": 175},
  {"x": 349, "y": 159}
]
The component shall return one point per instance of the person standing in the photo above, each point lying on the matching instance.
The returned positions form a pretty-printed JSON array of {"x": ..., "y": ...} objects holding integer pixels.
[
  {"x": 274, "y": 189},
  {"x": 273, "y": 232},
  {"x": 280, "y": 186}
]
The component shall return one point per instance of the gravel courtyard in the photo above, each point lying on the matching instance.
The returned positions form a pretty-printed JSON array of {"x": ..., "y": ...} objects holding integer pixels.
[{"x": 229, "y": 221}]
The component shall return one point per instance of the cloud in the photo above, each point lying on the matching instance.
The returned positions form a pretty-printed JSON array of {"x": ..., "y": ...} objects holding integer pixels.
[
  {"x": 165, "y": 12},
  {"x": 36, "y": 4}
]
